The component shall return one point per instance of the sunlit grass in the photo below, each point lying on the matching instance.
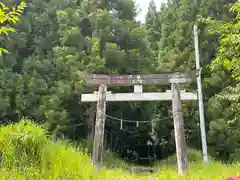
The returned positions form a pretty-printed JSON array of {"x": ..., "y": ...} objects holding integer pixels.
[{"x": 29, "y": 154}]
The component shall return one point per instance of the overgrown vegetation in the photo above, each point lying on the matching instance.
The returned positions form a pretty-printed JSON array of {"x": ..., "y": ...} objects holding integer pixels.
[
  {"x": 40, "y": 158},
  {"x": 57, "y": 42}
]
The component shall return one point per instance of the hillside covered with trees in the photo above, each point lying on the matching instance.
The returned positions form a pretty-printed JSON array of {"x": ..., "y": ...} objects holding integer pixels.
[{"x": 58, "y": 41}]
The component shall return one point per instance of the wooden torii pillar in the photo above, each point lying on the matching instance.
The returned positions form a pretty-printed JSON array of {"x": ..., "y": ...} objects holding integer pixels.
[{"x": 102, "y": 96}]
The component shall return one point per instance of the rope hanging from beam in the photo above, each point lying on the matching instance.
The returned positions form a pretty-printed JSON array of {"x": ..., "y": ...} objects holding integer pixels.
[{"x": 137, "y": 122}]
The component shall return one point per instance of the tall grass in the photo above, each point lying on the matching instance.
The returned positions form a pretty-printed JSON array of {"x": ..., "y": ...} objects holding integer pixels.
[
  {"x": 29, "y": 154},
  {"x": 22, "y": 144}
]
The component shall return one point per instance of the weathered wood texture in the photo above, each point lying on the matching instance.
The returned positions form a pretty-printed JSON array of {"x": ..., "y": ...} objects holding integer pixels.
[
  {"x": 181, "y": 146},
  {"x": 152, "y": 79},
  {"x": 120, "y": 97},
  {"x": 99, "y": 125}
]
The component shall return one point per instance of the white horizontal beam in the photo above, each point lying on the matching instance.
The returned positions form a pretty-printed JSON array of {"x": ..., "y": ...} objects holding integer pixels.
[
  {"x": 171, "y": 91},
  {"x": 161, "y": 96}
]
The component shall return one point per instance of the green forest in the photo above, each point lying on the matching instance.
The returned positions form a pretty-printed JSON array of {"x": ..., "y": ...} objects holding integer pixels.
[{"x": 56, "y": 42}]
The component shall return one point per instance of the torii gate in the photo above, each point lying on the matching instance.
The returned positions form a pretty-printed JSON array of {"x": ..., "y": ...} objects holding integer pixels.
[{"x": 138, "y": 95}]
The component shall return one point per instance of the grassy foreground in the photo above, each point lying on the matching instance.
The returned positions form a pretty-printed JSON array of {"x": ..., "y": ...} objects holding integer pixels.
[{"x": 29, "y": 154}]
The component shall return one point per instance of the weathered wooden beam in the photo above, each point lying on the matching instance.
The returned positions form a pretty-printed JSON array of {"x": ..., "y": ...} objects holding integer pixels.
[
  {"x": 179, "y": 131},
  {"x": 152, "y": 79},
  {"x": 161, "y": 96},
  {"x": 99, "y": 125}
]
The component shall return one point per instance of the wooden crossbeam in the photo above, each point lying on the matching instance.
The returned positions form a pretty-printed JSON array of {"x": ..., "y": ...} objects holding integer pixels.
[
  {"x": 151, "y": 79},
  {"x": 160, "y": 96}
]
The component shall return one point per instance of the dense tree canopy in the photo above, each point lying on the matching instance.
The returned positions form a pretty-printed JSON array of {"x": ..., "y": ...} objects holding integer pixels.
[
  {"x": 57, "y": 42},
  {"x": 224, "y": 131}
]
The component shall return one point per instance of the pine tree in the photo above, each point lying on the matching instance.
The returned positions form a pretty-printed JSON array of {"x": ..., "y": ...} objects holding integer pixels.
[{"x": 151, "y": 14}]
